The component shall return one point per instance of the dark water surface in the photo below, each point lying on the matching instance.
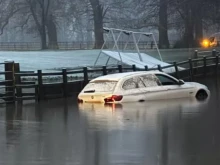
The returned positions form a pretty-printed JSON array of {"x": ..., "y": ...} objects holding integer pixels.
[{"x": 59, "y": 132}]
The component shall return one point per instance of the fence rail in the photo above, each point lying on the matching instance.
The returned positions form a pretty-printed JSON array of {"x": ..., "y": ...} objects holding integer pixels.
[{"x": 71, "y": 45}]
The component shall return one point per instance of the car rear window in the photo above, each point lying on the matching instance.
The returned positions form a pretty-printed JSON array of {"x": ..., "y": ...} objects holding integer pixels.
[{"x": 103, "y": 86}]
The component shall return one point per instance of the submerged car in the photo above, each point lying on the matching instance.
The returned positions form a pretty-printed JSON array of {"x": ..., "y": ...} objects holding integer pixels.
[{"x": 139, "y": 87}]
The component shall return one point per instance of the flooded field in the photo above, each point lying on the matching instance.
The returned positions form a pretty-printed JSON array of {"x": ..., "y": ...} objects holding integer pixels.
[
  {"x": 167, "y": 132},
  {"x": 50, "y": 60}
]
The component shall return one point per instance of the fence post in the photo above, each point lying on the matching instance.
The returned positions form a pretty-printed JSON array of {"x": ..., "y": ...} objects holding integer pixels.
[
  {"x": 216, "y": 64},
  {"x": 146, "y": 68},
  {"x": 176, "y": 70},
  {"x": 191, "y": 69},
  {"x": 204, "y": 67},
  {"x": 134, "y": 68},
  {"x": 65, "y": 81},
  {"x": 40, "y": 85},
  {"x": 196, "y": 57},
  {"x": 104, "y": 70},
  {"x": 152, "y": 45},
  {"x": 85, "y": 73},
  {"x": 214, "y": 53},
  {"x": 159, "y": 68},
  {"x": 9, "y": 82},
  {"x": 18, "y": 92},
  {"x": 120, "y": 68},
  {"x": 196, "y": 54}
]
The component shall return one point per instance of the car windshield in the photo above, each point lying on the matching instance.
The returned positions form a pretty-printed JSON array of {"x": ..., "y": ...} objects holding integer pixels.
[{"x": 104, "y": 86}]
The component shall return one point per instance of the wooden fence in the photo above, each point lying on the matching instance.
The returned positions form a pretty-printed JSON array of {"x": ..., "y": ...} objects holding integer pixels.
[
  {"x": 19, "y": 46},
  {"x": 19, "y": 86},
  {"x": 7, "y": 89}
]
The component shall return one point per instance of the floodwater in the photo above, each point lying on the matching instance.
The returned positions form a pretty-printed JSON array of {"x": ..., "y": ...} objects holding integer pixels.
[
  {"x": 60, "y": 132},
  {"x": 52, "y": 60}
]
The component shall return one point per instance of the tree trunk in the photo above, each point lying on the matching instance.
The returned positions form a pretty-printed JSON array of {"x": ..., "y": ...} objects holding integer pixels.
[
  {"x": 198, "y": 31},
  {"x": 40, "y": 23},
  {"x": 163, "y": 32},
  {"x": 43, "y": 30},
  {"x": 189, "y": 28},
  {"x": 52, "y": 33},
  {"x": 43, "y": 41},
  {"x": 198, "y": 25},
  {"x": 98, "y": 23}
]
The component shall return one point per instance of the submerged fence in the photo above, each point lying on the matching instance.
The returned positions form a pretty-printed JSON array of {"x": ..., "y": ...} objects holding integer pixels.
[{"x": 29, "y": 85}]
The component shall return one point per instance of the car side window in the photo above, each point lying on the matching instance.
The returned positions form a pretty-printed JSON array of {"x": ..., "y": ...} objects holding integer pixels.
[
  {"x": 129, "y": 84},
  {"x": 165, "y": 80},
  {"x": 150, "y": 80},
  {"x": 133, "y": 83}
]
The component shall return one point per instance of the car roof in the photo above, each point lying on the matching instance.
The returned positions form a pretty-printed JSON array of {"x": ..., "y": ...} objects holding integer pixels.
[{"x": 119, "y": 76}]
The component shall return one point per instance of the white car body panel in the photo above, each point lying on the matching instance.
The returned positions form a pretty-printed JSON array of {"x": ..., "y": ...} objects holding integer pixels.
[{"x": 188, "y": 89}]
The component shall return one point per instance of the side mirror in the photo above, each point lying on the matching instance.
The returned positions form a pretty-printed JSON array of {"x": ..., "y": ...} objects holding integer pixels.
[{"x": 181, "y": 82}]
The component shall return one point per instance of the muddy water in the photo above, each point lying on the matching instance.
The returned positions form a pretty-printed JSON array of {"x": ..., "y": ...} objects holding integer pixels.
[{"x": 167, "y": 132}]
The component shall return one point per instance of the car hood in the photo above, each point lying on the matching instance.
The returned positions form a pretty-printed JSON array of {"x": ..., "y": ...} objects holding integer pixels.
[{"x": 196, "y": 85}]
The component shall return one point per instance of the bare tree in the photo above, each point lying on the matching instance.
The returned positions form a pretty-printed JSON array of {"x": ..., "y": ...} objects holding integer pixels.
[
  {"x": 8, "y": 9},
  {"x": 41, "y": 16}
]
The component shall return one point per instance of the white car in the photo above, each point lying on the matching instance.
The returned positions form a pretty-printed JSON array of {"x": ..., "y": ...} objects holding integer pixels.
[{"x": 140, "y": 86}]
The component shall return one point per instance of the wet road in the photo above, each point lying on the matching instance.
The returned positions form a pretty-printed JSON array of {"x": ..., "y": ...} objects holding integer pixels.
[{"x": 169, "y": 132}]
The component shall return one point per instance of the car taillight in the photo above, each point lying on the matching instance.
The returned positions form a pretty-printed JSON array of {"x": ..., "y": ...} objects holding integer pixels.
[
  {"x": 113, "y": 98},
  {"x": 80, "y": 100}
]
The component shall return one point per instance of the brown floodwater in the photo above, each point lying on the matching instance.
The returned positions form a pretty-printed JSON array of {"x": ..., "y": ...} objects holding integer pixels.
[{"x": 61, "y": 132}]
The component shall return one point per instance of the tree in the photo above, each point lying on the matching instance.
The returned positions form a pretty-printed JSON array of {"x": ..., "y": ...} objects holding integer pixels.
[
  {"x": 52, "y": 32},
  {"x": 163, "y": 24},
  {"x": 188, "y": 15},
  {"x": 98, "y": 16},
  {"x": 40, "y": 16},
  {"x": 8, "y": 9},
  {"x": 39, "y": 11}
]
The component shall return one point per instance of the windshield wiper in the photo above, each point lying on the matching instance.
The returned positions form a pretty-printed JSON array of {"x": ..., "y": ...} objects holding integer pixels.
[{"x": 89, "y": 91}]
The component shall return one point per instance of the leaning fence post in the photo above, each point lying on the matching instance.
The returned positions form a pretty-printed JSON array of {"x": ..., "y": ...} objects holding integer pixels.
[
  {"x": 85, "y": 73},
  {"x": 176, "y": 70},
  {"x": 134, "y": 68},
  {"x": 120, "y": 68},
  {"x": 9, "y": 82},
  {"x": 104, "y": 70},
  {"x": 65, "y": 81},
  {"x": 205, "y": 66},
  {"x": 191, "y": 69},
  {"x": 40, "y": 85}
]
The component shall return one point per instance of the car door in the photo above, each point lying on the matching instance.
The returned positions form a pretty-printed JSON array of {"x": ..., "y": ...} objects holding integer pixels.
[
  {"x": 133, "y": 89},
  {"x": 153, "y": 90},
  {"x": 172, "y": 87}
]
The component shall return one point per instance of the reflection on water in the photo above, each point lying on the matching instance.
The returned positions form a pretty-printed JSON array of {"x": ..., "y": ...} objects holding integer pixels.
[{"x": 167, "y": 132}]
